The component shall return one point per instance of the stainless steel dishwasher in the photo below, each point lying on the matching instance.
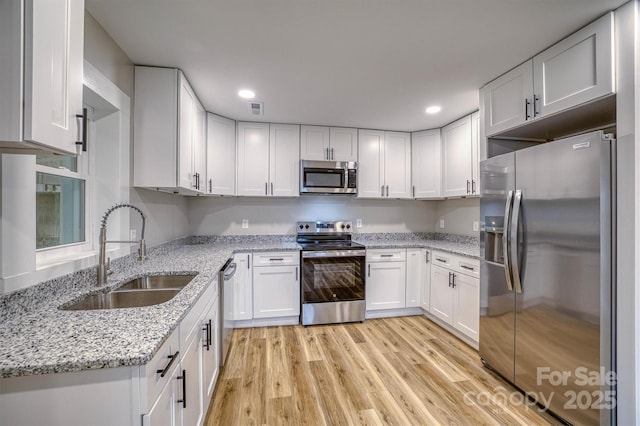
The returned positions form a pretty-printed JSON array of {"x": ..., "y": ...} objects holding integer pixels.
[{"x": 225, "y": 283}]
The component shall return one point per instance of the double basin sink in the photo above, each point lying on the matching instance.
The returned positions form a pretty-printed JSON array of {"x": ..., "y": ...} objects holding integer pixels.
[{"x": 143, "y": 291}]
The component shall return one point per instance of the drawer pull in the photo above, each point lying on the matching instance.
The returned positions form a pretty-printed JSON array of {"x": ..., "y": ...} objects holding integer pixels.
[
  {"x": 273, "y": 259},
  {"x": 441, "y": 260},
  {"x": 172, "y": 358},
  {"x": 386, "y": 255},
  {"x": 469, "y": 268}
]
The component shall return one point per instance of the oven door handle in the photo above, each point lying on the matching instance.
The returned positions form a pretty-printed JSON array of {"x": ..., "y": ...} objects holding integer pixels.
[{"x": 334, "y": 253}]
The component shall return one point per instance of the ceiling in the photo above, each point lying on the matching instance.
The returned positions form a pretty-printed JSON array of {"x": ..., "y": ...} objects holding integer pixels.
[{"x": 358, "y": 63}]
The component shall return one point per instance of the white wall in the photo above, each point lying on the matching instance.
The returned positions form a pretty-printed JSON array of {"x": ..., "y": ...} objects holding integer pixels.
[
  {"x": 223, "y": 216},
  {"x": 458, "y": 215}
]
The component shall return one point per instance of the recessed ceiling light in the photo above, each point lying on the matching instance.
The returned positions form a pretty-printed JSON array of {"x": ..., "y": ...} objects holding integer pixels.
[
  {"x": 246, "y": 94},
  {"x": 433, "y": 109}
]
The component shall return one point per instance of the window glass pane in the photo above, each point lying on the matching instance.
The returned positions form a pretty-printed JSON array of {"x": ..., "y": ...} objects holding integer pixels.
[
  {"x": 58, "y": 161},
  {"x": 59, "y": 210}
]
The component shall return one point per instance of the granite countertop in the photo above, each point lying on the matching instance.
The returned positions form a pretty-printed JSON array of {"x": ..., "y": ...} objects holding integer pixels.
[{"x": 37, "y": 337}]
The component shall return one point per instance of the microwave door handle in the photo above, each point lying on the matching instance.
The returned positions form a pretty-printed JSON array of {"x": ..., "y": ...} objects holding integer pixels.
[{"x": 505, "y": 239}]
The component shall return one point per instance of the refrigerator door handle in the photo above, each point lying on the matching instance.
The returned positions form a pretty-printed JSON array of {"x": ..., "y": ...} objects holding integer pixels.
[
  {"x": 505, "y": 239},
  {"x": 513, "y": 239}
]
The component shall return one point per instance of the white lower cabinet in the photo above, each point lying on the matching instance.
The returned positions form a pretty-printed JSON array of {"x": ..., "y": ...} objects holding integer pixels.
[
  {"x": 243, "y": 288},
  {"x": 418, "y": 278},
  {"x": 190, "y": 398},
  {"x": 210, "y": 352},
  {"x": 455, "y": 292},
  {"x": 386, "y": 279},
  {"x": 276, "y": 285},
  {"x": 165, "y": 410}
]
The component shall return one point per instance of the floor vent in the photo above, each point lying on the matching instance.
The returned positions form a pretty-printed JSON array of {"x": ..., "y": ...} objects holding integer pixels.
[{"x": 256, "y": 108}]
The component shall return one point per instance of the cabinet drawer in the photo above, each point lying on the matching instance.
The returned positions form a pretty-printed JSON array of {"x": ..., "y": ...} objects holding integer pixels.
[
  {"x": 154, "y": 381},
  {"x": 386, "y": 255},
  {"x": 190, "y": 324},
  {"x": 461, "y": 264},
  {"x": 276, "y": 258}
]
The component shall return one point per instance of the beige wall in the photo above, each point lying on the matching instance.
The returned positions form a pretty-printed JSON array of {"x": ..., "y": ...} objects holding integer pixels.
[
  {"x": 458, "y": 216},
  {"x": 223, "y": 216},
  {"x": 166, "y": 213}
]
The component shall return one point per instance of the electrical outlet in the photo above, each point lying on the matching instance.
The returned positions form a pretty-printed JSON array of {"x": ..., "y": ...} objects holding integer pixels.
[
  {"x": 132, "y": 234},
  {"x": 475, "y": 226},
  {"x": 245, "y": 223},
  {"x": 358, "y": 223},
  {"x": 441, "y": 223}
]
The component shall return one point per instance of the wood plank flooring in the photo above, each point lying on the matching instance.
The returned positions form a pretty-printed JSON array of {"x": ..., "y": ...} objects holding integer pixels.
[{"x": 390, "y": 371}]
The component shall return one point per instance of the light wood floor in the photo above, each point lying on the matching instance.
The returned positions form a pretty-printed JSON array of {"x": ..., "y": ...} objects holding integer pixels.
[{"x": 397, "y": 371}]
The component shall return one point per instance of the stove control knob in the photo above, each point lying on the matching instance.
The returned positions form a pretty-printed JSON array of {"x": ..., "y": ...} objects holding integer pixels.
[
  {"x": 342, "y": 226},
  {"x": 306, "y": 226},
  {"x": 301, "y": 226},
  {"x": 348, "y": 226}
]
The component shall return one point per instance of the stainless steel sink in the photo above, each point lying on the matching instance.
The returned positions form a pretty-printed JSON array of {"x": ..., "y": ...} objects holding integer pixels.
[
  {"x": 143, "y": 291},
  {"x": 123, "y": 299},
  {"x": 157, "y": 282}
]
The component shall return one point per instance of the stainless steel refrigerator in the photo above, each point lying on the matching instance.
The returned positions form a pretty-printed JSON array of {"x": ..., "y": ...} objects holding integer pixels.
[{"x": 547, "y": 282}]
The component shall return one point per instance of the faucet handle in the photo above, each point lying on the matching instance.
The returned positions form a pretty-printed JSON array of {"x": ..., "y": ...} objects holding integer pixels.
[
  {"x": 142, "y": 251},
  {"x": 109, "y": 271}
]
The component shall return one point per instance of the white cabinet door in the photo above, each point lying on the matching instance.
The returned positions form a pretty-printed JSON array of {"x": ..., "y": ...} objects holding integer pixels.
[
  {"x": 53, "y": 66},
  {"x": 415, "y": 266},
  {"x": 210, "y": 351},
  {"x": 200, "y": 147},
  {"x": 441, "y": 294},
  {"x": 284, "y": 160},
  {"x": 243, "y": 288},
  {"x": 397, "y": 164},
  {"x": 577, "y": 69},
  {"x": 385, "y": 285},
  {"x": 276, "y": 291},
  {"x": 508, "y": 100},
  {"x": 253, "y": 159},
  {"x": 456, "y": 146},
  {"x": 314, "y": 143},
  {"x": 426, "y": 164},
  {"x": 186, "y": 134},
  {"x": 165, "y": 410},
  {"x": 190, "y": 397},
  {"x": 475, "y": 153},
  {"x": 467, "y": 305},
  {"x": 425, "y": 292},
  {"x": 344, "y": 144},
  {"x": 370, "y": 163},
  {"x": 221, "y": 155}
]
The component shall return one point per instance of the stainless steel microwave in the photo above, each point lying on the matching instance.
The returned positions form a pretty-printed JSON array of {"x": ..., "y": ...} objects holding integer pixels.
[{"x": 328, "y": 177}]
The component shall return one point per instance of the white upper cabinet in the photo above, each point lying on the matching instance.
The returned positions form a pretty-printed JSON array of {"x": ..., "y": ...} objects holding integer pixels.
[
  {"x": 575, "y": 70},
  {"x": 458, "y": 147},
  {"x": 41, "y": 75},
  {"x": 426, "y": 164},
  {"x": 169, "y": 132},
  {"x": 221, "y": 155},
  {"x": 328, "y": 143},
  {"x": 268, "y": 161},
  {"x": 384, "y": 164}
]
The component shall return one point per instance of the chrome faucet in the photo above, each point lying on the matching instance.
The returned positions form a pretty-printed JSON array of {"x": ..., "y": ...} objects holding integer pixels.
[{"x": 103, "y": 262}]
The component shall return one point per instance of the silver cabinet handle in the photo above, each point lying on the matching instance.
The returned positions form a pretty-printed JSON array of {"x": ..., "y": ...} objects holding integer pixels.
[
  {"x": 413, "y": 189},
  {"x": 296, "y": 273},
  {"x": 332, "y": 156},
  {"x": 382, "y": 191},
  {"x": 326, "y": 153},
  {"x": 271, "y": 188},
  {"x": 473, "y": 186},
  {"x": 387, "y": 190},
  {"x": 515, "y": 217},
  {"x": 369, "y": 270},
  {"x": 526, "y": 109},
  {"x": 449, "y": 279},
  {"x": 266, "y": 188},
  {"x": 468, "y": 191},
  {"x": 248, "y": 263},
  {"x": 505, "y": 239},
  {"x": 195, "y": 180},
  {"x": 536, "y": 109},
  {"x": 210, "y": 186},
  {"x": 426, "y": 257}
]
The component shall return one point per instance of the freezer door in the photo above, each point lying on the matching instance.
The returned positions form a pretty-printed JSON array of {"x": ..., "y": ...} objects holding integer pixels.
[
  {"x": 497, "y": 300},
  {"x": 559, "y": 243}
]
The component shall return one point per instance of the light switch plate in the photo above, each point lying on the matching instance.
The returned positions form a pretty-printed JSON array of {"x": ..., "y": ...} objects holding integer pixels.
[
  {"x": 133, "y": 234},
  {"x": 358, "y": 223},
  {"x": 441, "y": 223},
  {"x": 475, "y": 226},
  {"x": 245, "y": 223}
]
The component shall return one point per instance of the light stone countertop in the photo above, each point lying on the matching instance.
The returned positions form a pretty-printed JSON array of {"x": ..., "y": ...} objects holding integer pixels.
[{"x": 37, "y": 337}]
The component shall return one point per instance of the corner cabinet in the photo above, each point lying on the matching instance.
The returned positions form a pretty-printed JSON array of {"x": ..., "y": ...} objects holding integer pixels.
[
  {"x": 268, "y": 160},
  {"x": 384, "y": 164},
  {"x": 460, "y": 148},
  {"x": 328, "y": 143},
  {"x": 41, "y": 75},
  {"x": 574, "y": 71},
  {"x": 426, "y": 164},
  {"x": 221, "y": 155},
  {"x": 169, "y": 133},
  {"x": 418, "y": 278}
]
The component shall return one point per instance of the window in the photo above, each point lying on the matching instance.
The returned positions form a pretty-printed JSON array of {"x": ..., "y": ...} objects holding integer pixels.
[{"x": 61, "y": 200}]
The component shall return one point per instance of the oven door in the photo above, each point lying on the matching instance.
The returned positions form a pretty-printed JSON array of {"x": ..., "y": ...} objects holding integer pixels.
[{"x": 332, "y": 276}]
